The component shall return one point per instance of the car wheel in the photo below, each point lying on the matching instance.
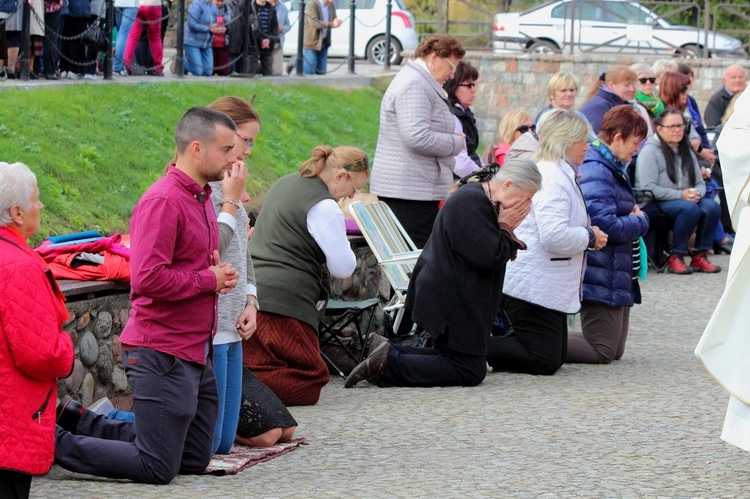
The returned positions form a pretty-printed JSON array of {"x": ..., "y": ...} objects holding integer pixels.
[
  {"x": 543, "y": 47},
  {"x": 376, "y": 50},
  {"x": 691, "y": 51}
]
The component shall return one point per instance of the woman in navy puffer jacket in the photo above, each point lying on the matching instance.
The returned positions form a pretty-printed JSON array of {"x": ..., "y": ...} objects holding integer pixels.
[{"x": 609, "y": 285}]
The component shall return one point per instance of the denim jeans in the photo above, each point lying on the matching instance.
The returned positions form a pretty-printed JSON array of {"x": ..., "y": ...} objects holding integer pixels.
[
  {"x": 199, "y": 61},
  {"x": 127, "y": 17},
  {"x": 688, "y": 216},
  {"x": 228, "y": 370},
  {"x": 316, "y": 61}
]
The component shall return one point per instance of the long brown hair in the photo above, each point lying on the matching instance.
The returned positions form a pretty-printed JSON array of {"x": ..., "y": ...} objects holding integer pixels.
[{"x": 670, "y": 89}]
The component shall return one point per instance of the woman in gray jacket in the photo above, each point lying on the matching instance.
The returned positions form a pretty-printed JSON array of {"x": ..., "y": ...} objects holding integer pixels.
[{"x": 414, "y": 158}]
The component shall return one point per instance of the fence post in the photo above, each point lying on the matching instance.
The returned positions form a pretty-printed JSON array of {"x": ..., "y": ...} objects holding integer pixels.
[
  {"x": 26, "y": 41},
  {"x": 352, "y": 22},
  {"x": 301, "y": 37},
  {"x": 706, "y": 22},
  {"x": 388, "y": 15},
  {"x": 109, "y": 56},
  {"x": 246, "y": 39},
  {"x": 179, "y": 60},
  {"x": 572, "y": 26}
]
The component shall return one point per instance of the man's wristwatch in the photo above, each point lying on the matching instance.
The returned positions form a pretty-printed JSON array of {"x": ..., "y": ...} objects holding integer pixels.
[{"x": 254, "y": 303}]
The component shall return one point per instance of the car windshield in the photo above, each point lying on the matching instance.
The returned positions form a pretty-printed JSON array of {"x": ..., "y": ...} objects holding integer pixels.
[{"x": 608, "y": 12}]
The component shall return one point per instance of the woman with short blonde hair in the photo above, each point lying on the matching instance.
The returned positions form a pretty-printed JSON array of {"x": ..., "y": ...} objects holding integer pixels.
[
  {"x": 543, "y": 284},
  {"x": 562, "y": 90}
]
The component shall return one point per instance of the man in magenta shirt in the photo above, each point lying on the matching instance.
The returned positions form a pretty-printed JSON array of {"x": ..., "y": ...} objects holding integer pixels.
[{"x": 166, "y": 345}]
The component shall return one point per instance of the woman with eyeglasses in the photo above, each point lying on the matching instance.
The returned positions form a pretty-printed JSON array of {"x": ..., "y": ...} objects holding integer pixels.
[
  {"x": 299, "y": 238},
  {"x": 543, "y": 285},
  {"x": 461, "y": 90},
  {"x": 667, "y": 169},
  {"x": 455, "y": 288},
  {"x": 617, "y": 87},
  {"x": 417, "y": 141},
  {"x": 513, "y": 125}
]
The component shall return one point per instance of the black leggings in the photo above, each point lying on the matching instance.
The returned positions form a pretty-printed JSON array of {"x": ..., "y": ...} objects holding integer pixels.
[
  {"x": 539, "y": 344},
  {"x": 14, "y": 484}
]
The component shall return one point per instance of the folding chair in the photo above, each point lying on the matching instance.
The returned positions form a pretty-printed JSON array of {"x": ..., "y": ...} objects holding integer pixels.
[
  {"x": 341, "y": 314},
  {"x": 393, "y": 248}
]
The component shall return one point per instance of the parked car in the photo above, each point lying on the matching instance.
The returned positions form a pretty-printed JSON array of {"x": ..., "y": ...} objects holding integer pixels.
[
  {"x": 369, "y": 30},
  {"x": 621, "y": 26}
]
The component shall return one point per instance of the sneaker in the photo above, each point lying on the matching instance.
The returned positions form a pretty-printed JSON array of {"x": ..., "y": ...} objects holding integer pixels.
[
  {"x": 72, "y": 76},
  {"x": 123, "y": 72},
  {"x": 51, "y": 76},
  {"x": 89, "y": 77},
  {"x": 3, "y": 75},
  {"x": 677, "y": 265},
  {"x": 102, "y": 406},
  {"x": 700, "y": 263}
]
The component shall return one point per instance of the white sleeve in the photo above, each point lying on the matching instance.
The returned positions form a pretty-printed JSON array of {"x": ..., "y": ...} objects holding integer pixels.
[
  {"x": 464, "y": 164},
  {"x": 325, "y": 222}
]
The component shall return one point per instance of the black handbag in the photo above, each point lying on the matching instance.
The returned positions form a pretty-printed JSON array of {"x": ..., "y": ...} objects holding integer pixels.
[{"x": 94, "y": 36}]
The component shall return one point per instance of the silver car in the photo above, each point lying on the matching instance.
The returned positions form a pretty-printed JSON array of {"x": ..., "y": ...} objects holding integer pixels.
[{"x": 608, "y": 26}]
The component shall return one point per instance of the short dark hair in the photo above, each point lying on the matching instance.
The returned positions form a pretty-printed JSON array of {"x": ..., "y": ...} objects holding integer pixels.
[
  {"x": 624, "y": 120},
  {"x": 199, "y": 123},
  {"x": 464, "y": 71}
]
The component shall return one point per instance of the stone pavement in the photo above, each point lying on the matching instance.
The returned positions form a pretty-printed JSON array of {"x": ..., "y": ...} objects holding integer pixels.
[{"x": 645, "y": 426}]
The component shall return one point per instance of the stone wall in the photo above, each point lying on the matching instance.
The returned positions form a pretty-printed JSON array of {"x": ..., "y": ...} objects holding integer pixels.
[
  {"x": 96, "y": 323},
  {"x": 519, "y": 81}
]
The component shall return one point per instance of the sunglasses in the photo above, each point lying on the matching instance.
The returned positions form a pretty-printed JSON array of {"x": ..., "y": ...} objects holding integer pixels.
[
  {"x": 526, "y": 128},
  {"x": 684, "y": 90},
  {"x": 650, "y": 79},
  {"x": 468, "y": 85}
]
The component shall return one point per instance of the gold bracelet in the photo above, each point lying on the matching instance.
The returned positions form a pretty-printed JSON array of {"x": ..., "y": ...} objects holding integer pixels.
[{"x": 232, "y": 202}]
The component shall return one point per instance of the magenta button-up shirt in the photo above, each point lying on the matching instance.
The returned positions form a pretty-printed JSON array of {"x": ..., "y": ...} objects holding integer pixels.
[{"x": 173, "y": 233}]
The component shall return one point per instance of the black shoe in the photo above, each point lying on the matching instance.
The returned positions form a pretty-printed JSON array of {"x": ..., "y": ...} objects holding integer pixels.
[
  {"x": 51, "y": 77},
  {"x": 725, "y": 248},
  {"x": 69, "y": 413}
]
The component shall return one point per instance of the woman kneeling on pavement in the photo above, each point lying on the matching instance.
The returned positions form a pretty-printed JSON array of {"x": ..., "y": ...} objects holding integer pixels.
[
  {"x": 300, "y": 230},
  {"x": 455, "y": 288},
  {"x": 610, "y": 284}
]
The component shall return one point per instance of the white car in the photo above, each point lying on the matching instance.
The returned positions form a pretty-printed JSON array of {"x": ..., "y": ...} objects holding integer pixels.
[
  {"x": 369, "y": 30},
  {"x": 620, "y": 26}
]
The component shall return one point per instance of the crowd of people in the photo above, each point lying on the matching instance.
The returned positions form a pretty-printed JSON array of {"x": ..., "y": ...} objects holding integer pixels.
[
  {"x": 213, "y": 42},
  {"x": 223, "y": 330}
]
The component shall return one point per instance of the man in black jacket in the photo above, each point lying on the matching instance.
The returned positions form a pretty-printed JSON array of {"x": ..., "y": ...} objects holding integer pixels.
[{"x": 735, "y": 80}]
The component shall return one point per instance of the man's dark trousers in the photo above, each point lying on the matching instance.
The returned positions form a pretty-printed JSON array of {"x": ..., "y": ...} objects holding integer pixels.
[{"x": 176, "y": 407}]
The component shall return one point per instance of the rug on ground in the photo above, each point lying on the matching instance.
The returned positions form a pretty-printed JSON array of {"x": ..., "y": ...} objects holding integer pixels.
[{"x": 241, "y": 457}]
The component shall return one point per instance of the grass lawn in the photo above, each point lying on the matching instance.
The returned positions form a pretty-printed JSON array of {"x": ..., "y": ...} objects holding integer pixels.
[{"x": 96, "y": 148}]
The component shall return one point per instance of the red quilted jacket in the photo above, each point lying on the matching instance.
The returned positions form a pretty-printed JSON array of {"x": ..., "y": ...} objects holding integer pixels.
[{"x": 34, "y": 352}]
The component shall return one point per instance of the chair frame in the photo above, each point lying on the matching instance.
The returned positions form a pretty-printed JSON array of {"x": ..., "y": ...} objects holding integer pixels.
[
  {"x": 345, "y": 314},
  {"x": 394, "y": 250}
]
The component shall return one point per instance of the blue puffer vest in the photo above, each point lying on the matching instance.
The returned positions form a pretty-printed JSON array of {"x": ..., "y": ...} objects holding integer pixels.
[{"x": 609, "y": 199}]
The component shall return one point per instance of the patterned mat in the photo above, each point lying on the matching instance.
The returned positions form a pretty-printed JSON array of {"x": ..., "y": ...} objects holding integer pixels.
[{"x": 241, "y": 457}]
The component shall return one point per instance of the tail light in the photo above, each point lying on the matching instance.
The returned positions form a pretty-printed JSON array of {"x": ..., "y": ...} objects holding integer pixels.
[{"x": 403, "y": 17}]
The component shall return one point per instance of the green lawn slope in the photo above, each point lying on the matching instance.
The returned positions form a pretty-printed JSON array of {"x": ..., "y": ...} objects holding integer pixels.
[{"x": 96, "y": 148}]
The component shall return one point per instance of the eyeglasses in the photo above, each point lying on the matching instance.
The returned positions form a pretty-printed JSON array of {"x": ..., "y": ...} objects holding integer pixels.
[
  {"x": 453, "y": 66},
  {"x": 249, "y": 143},
  {"x": 468, "y": 85},
  {"x": 526, "y": 128},
  {"x": 356, "y": 191},
  {"x": 684, "y": 90},
  {"x": 672, "y": 128},
  {"x": 650, "y": 79}
]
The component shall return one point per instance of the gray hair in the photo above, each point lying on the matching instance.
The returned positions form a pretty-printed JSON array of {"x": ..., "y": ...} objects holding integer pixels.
[
  {"x": 662, "y": 66},
  {"x": 17, "y": 185},
  {"x": 199, "y": 123},
  {"x": 522, "y": 172},
  {"x": 560, "y": 130},
  {"x": 640, "y": 68}
]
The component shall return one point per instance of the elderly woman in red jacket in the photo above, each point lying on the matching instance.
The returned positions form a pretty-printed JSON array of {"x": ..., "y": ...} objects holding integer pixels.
[{"x": 34, "y": 351}]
